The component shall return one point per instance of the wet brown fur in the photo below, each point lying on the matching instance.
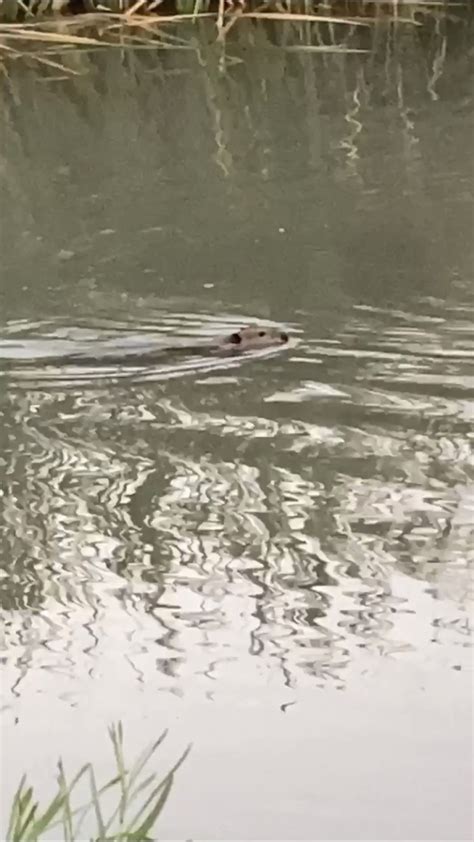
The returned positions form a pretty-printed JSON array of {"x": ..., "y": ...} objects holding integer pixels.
[
  {"x": 253, "y": 337},
  {"x": 249, "y": 338}
]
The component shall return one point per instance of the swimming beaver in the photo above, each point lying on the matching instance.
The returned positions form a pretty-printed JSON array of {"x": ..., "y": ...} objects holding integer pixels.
[
  {"x": 253, "y": 337},
  {"x": 249, "y": 338}
]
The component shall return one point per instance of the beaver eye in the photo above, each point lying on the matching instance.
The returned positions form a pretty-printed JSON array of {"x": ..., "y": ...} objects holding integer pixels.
[
  {"x": 261, "y": 333},
  {"x": 235, "y": 338},
  {"x": 284, "y": 336}
]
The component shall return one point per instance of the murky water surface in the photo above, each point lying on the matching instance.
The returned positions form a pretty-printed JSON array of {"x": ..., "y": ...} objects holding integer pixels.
[{"x": 269, "y": 554}]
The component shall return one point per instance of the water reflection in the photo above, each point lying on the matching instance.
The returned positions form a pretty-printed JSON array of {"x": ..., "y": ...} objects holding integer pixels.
[
  {"x": 288, "y": 520},
  {"x": 287, "y": 525}
]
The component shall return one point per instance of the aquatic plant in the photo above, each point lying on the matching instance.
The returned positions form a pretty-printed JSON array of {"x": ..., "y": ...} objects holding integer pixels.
[
  {"x": 42, "y": 31},
  {"x": 225, "y": 12},
  {"x": 139, "y": 800}
]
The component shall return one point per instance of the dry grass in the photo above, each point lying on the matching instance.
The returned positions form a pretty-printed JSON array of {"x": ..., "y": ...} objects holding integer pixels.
[{"x": 35, "y": 30}]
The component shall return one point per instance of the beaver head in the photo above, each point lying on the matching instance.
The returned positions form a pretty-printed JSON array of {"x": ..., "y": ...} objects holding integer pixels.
[{"x": 253, "y": 337}]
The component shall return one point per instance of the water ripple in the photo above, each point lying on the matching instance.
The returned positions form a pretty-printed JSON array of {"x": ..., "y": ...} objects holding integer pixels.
[{"x": 302, "y": 521}]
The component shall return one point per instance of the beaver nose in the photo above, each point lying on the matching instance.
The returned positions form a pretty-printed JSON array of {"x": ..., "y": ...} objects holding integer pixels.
[{"x": 284, "y": 336}]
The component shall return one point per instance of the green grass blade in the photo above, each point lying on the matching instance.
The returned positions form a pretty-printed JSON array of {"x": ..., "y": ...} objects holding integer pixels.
[
  {"x": 160, "y": 793},
  {"x": 44, "y": 821},
  {"x": 84, "y": 808},
  {"x": 116, "y": 812},
  {"x": 96, "y": 804},
  {"x": 73, "y": 811},
  {"x": 15, "y": 810},
  {"x": 67, "y": 816},
  {"x": 26, "y": 798},
  {"x": 27, "y": 824},
  {"x": 145, "y": 757},
  {"x": 24, "y": 801},
  {"x": 162, "y": 785},
  {"x": 141, "y": 787},
  {"x": 116, "y": 735},
  {"x": 27, "y": 821}
]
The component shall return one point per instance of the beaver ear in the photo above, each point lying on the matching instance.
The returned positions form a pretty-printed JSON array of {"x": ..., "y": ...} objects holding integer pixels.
[{"x": 235, "y": 338}]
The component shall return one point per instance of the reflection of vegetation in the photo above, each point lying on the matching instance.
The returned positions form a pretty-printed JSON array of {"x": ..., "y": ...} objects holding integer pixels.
[
  {"x": 308, "y": 26},
  {"x": 298, "y": 524},
  {"x": 225, "y": 12},
  {"x": 140, "y": 801},
  {"x": 302, "y": 533},
  {"x": 350, "y": 117}
]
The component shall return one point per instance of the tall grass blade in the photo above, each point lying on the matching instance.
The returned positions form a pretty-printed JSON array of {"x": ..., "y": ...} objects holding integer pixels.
[
  {"x": 67, "y": 815},
  {"x": 141, "y": 788},
  {"x": 133, "y": 9},
  {"x": 296, "y": 16},
  {"x": 85, "y": 808},
  {"x": 59, "y": 802},
  {"x": 43, "y": 822},
  {"x": 162, "y": 791},
  {"x": 116, "y": 735},
  {"x": 96, "y": 804},
  {"x": 145, "y": 756},
  {"x": 15, "y": 809},
  {"x": 27, "y": 821},
  {"x": 33, "y": 35},
  {"x": 322, "y": 48},
  {"x": 163, "y": 785},
  {"x": 26, "y": 824}
]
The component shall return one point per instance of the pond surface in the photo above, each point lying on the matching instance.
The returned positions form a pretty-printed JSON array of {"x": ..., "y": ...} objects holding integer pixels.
[{"x": 270, "y": 555}]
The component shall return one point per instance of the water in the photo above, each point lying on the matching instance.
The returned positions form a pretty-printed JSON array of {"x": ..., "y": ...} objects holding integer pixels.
[{"x": 270, "y": 555}]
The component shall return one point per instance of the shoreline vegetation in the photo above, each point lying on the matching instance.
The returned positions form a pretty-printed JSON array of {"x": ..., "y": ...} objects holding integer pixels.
[
  {"x": 391, "y": 52},
  {"x": 126, "y": 807},
  {"x": 40, "y": 28}
]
